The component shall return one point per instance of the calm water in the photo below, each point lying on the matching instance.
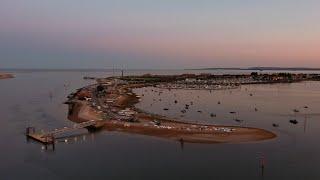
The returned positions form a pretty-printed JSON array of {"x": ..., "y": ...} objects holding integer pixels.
[{"x": 110, "y": 155}]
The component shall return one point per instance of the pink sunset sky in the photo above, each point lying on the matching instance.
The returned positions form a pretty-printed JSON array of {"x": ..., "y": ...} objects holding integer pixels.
[{"x": 159, "y": 34}]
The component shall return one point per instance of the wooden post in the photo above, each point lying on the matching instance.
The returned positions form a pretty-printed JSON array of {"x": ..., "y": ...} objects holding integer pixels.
[
  {"x": 181, "y": 143},
  {"x": 27, "y": 134},
  {"x": 30, "y": 129},
  {"x": 53, "y": 142},
  {"x": 262, "y": 165}
]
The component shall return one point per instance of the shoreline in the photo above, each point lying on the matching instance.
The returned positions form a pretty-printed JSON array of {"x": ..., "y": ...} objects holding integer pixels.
[
  {"x": 154, "y": 125},
  {"x": 180, "y": 130}
]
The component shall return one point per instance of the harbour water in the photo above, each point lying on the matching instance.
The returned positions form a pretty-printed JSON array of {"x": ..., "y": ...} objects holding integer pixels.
[{"x": 35, "y": 98}]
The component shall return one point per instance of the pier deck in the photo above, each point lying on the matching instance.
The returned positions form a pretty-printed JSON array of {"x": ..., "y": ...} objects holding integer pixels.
[
  {"x": 49, "y": 137},
  {"x": 40, "y": 138}
]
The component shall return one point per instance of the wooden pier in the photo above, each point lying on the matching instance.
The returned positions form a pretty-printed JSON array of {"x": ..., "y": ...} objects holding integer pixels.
[{"x": 49, "y": 137}]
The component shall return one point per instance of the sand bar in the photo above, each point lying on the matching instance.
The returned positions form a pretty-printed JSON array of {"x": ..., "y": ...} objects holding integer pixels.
[{"x": 115, "y": 109}]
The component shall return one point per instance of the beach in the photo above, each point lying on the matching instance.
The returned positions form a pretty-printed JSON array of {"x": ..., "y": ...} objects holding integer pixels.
[{"x": 171, "y": 129}]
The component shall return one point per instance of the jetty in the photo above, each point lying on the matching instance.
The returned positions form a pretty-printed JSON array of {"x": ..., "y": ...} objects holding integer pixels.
[{"x": 50, "y": 136}]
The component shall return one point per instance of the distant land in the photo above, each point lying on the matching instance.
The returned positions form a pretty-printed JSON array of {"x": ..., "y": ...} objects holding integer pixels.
[
  {"x": 6, "y": 76},
  {"x": 264, "y": 69},
  {"x": 77, "y": 69},
  {"x": 153, "y": 69}
]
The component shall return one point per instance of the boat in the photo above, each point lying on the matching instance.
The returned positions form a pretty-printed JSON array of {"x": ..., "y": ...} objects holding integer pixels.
[
  {"x": 157, "y": 123},
  {"x": 239, "y": 120},
  {"x": 90, "y": 78},
  {"x": 293, "y": 121}
]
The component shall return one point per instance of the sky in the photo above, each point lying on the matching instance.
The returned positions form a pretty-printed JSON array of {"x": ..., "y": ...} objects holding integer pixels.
[{"x": 173, "y": 34}]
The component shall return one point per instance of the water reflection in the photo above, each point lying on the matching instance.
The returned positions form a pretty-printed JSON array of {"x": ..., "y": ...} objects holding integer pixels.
[{"x": 112, "y": 155}]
